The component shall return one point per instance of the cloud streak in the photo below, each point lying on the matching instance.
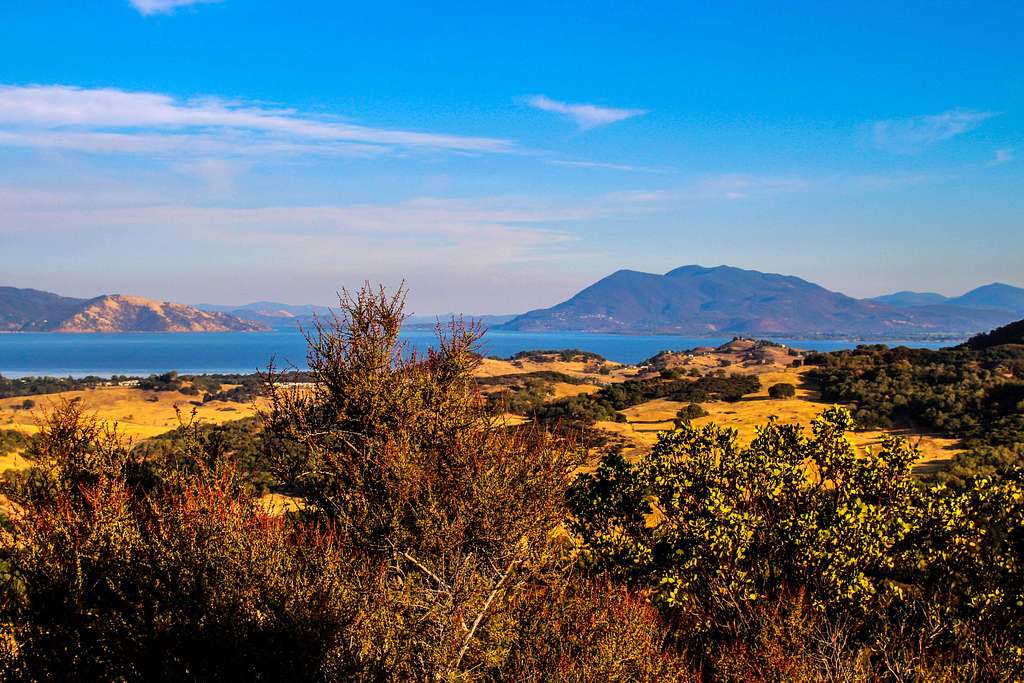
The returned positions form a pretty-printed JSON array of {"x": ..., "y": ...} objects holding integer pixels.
[
  {"x": 497, "y": 230},
  {"x": 585, "y": 116},
  {"x": 109, "y": 120},
  {"x": 603, "y": 166},
  {"x": 318, "y": 246},
  {"x": 714, "y": 188},
  {"x": 33, "y": 210},
  {"x": 1002, "y": 156},
  {"x": 149, "y": 7},
  {"x": 917, "y": 133}
]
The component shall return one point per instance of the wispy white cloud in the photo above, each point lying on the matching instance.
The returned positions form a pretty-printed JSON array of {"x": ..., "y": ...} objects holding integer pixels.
[
  {"x": 148, "y": 7},
  {"x": 737, "y": 186},
  {"x": 888, "y": 180},
  {"x": 499, "y": 230},
  {"x": 598, "y": 165},
  {"x": 640, "y": 197},
  {"x": 720, "y": 187},
  {"x": 109, "y": 120},
  {"x": 1002, "y": 156},
  {"x": 180, "y": 143},
  {"x": 917, "y": 133},
  {"x": 492, "y": 239},
  {"x": 218, "y": 175},
  {"x": 743, "y": 187},
  {"x": 336, "y": 244},
  {"x": 530, "y": 220},
  {"x": 583, "y": 115}
]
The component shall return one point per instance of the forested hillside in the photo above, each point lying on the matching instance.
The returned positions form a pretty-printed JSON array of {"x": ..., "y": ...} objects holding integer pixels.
[{"x": 974, "y": 392}]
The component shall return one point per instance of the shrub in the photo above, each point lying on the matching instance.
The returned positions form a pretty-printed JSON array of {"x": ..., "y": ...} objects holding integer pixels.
[
  {"x": 605, "y": 404},
  {"x": 424, "y": 533},
  {"x": 691, "y": 412},
  {"x": 397, "y": 453},
  {"x": 782, "y": 390},
  {"x": 581, "y": 630},
  {"x": 121, "y": 572},
  {"x": 12, "y": 440},
  {"x": 726, "y": 536},
  {"x": 744, "y": 522}
]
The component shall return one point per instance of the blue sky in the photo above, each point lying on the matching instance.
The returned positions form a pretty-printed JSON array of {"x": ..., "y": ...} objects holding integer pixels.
[{"x": 499, "y": 157}]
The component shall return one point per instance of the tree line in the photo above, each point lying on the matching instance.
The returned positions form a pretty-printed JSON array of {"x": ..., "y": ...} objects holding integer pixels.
[{"x": 976, "y": 395}]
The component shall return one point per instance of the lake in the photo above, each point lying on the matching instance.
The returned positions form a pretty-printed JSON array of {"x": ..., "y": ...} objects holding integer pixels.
[{"x": 76, "y": 355}]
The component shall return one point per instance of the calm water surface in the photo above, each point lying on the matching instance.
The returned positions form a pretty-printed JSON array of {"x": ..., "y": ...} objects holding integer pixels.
[{"x": 77, "y": 355}]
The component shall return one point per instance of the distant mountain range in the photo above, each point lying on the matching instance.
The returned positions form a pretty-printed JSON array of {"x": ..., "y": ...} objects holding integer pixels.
[
  {"x": 270, "y": 313},
  {"x": 691, "y": 300},
  {"x": 996, "y": 296},
  {"x": 31, "y": 310},
  {"x": 694, "y": 300},
  {"x": 278, "y": 315}
]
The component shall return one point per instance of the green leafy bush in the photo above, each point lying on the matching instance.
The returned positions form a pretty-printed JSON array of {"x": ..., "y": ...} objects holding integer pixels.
[{"x": 721, "y": 531}]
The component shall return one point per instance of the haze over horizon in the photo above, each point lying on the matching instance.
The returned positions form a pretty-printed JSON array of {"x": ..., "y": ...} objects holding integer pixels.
[{"x": 501, "y": 159}]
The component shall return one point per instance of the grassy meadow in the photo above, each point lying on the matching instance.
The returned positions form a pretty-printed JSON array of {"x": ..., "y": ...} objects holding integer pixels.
[{"x": 143, "y": 414}]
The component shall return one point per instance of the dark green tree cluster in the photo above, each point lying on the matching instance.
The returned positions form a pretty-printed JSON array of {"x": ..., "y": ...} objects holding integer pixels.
[
  {"x": 1007, "y": 334},
  {"x": 244, "y": 388},
  {"x": 974, "y": 395},
  {"x": 606, "y": 403},
  {"x": 33, "y": 386},
  {"x": 782, "y": 390},
  {"x": 563, "y": 355},
  {"x": 240, "y": 441},
  {"x": 691, "y": 412},
  {"x": 523, "y": 393},
  {"x": 167, "y": 381},
  {"x": 525, "y": 398},
  {"x": 706, "y": 388}
]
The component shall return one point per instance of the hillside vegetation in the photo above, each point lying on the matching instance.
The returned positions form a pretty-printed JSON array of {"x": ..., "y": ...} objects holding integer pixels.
[
  {"x": 435, "y": 542},
  {"x": 1007, "y": 334},
  {"x": 974, "y": 393}
]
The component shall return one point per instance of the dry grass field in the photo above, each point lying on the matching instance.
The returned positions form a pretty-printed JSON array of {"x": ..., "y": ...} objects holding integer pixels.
[
  {"x": 647, "y": 419},
  {"x": 564, "y": 389},
  {"x": 139, "y": 414},
  {"x": 13, "y": 461},
  {"x": 617, "y": 372},
  {"x": 142, "y": 414}
]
